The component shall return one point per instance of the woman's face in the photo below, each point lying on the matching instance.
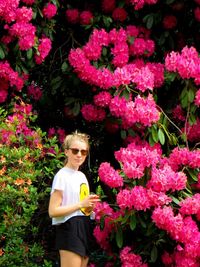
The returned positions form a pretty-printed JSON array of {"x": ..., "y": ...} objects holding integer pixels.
[{"x": 76, "y": 154}]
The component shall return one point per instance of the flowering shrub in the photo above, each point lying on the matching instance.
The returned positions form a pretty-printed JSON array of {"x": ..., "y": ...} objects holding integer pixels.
[
  {"x": 130, "y": 68},
  {"x": 28, "y": 159}
]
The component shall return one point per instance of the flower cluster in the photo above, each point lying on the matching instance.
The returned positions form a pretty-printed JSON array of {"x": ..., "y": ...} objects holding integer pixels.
[
  {"x": 185, "y": 63},
  {"x": 139, "y": 160},
  {"x": 138, "y": 4},
  {"x": 43, "y": 50},
  {"x": 74, "y": 16},
  {"x": 138, "y": 73},
  {"x": 183, "y": 230},
  {"x": 8, "y": 77},
  {"x": 130, "y": 259},
  {"x": 49, "y": 11}
]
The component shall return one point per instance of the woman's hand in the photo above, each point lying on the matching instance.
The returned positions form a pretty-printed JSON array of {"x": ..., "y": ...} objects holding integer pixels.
[{"x": 89, "y": 201}]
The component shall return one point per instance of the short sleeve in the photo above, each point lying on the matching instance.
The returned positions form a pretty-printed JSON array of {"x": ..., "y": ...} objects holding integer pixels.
[{"x": 58, "y": 182}]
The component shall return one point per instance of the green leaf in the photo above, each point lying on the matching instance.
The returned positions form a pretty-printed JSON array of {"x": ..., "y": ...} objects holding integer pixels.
[
  {"x": 154, "y": 254},
  {"x": 151, "y": 141},
  {"x": 64, "y": 67},
  {"x": 154, "y": 134},
  {"x": 123, "y": 134},
  {"x": 191, "y": 96},
  {"x": 175, "y": 200},
  {"x": 2, "y": 54},
  {"x": 149, "y": 23},
  {"x": 29, "y": 53},
  {"x": 119, "y": 237},
  {"x": 161, "y": 136},
  {"x": 76, "y": 108},
  {"x": 133, "y": 222}
]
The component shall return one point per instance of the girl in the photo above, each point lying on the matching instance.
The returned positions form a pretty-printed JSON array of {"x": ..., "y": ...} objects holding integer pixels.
[{"x": 71, "y": 204}]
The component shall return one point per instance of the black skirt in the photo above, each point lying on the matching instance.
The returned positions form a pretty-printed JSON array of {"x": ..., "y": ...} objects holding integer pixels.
[{"x": 76, "y": 235}]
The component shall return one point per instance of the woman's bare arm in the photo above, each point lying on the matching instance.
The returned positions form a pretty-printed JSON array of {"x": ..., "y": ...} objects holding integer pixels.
[{"x": 56, "y": 210}]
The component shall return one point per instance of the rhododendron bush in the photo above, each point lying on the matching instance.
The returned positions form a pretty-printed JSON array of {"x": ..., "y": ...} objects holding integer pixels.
[{"x": 126, "y": 72}]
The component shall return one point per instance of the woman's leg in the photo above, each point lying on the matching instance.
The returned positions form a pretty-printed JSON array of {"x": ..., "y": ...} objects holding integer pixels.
[{"x": 70, "y": 259}]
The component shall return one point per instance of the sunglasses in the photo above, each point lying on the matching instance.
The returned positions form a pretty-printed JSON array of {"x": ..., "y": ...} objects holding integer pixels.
[{"x": 75, "y": 151}]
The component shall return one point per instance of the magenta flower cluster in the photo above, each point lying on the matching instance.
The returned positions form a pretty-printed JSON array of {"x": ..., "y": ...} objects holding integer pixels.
[{"x": 163, "y": 176}]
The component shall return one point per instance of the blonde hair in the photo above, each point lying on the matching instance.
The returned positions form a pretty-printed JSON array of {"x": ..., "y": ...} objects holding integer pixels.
[{"x": 76, "y": 136}]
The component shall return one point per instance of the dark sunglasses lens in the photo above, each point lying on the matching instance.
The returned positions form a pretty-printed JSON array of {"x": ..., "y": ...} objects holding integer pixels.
[
  {"x": 84, "y": 152},
  {"x": 75, "y": 151}
]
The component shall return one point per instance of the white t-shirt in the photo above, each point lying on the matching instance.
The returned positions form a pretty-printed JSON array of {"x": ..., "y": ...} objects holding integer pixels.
[{"x": 72, "y": 183}]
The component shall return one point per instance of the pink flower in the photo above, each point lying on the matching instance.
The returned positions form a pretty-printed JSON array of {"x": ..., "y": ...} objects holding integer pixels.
[
  {"x": 92, "y": 113},
  {"x": 24, "y": 14},
  {"x": 109, "y": 175},
  {"x": 102, "y": 99},
  {"x": 72, "y": 15},
  {"x": 197, "y": 13},
  {"x": 169, "y": 22},
  {"x": 178, "y": 113},
  {"x": 197, "y": 98},
  {"x": 119, "y": 14},
  {"x": 49, "y": 11},
  {"x": 130, "y": 259},
  {"x": 35, "y": 92},
  {"x": 43, "y": 50},
  {"x": 3, "y": 95},
  {"x": 108, "y": 5},
  {"x": 25, "y": 32},
  {"x": 86, "y": 17}
]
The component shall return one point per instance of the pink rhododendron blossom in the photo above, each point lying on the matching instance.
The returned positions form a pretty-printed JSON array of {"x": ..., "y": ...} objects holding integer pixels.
[
  {"x": 130, "y": 259},
  {"x": 9, "y": 75},
  {"x": 166, "y": 179},
  {"x": 169, "y": 22},
  {"x": 49, "y": 11},
  {"x": 158, "y": 198},
  {"x": 92, "y": 113},
  {"x": 158, "y": 71},
  {"x": 136, "y": 158},
  {"x": 185, "y": 63},
  {"x": 44, "y": 48},
  {"x": 144, "y": 79},
  {"x": 193, "y": 131},
  {"x": 109, "y": 175},
  {"x": 8, "y": 10},
  {"x": 190, "y": 205},
  {"x": 35, "y": 92},
  {"x": 26, "y": 34},
  {"x": 141, "y": 47},
  {"x": 108, "y": 5},
  {"x": 132, "y": 31},
  {"x": 178, "y": 113},
  {"x": 197, "y": 13},
  {"x": 136, "y": 198},
  {"x": 86, "y": 17},
  {"x": 142, "y": 110},
  {"x": 24, "y": 14},
  {"x": 102, "y": 99},
  {"x": 101, "y": 209},
  {"x": 117, "y": 106},
  {"x": 3, "y": 95},
  {"x": 120, "y": 14},
  {"x": 72, "y": 15},
  {"x": 138, "y": 4},
  {"x": 197, "y": 98}
]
